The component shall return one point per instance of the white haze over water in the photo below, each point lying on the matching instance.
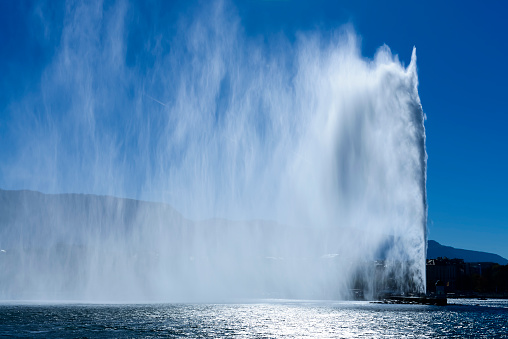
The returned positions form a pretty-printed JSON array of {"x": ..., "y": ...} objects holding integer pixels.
[{"x": 307, "y": 133}]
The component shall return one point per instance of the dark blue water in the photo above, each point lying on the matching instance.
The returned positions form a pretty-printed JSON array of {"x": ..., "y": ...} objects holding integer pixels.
[{"x": 278, "y": 319}]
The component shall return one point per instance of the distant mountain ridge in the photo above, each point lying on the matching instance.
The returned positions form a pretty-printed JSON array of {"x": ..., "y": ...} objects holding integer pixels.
[
  {"x": 435, "y": 250},
  {"x": 33, "y": 219}
]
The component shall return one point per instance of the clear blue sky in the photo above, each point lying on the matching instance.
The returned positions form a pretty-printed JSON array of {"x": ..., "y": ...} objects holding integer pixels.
[{"x": 462, "y": 50}]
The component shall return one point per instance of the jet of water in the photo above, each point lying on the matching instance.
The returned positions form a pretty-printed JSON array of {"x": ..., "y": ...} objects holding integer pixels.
[{"x": 317, "y": 152}]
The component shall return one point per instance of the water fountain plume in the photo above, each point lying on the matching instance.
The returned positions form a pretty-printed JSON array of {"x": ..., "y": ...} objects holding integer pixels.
[{"x": 285, "y": 167}]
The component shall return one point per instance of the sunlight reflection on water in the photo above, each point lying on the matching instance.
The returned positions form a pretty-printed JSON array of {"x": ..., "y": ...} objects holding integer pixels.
[{"x": 266, "y": 320}]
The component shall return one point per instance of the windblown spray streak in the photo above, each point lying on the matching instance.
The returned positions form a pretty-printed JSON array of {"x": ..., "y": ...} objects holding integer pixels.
[{"x": 219, "y": 125}]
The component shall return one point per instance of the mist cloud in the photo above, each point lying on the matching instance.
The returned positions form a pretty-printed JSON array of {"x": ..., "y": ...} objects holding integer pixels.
[{"x": 305, "y": 131}]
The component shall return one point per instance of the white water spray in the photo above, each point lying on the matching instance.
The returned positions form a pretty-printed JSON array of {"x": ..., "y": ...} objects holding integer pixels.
[{"x": 307, "y": 133}]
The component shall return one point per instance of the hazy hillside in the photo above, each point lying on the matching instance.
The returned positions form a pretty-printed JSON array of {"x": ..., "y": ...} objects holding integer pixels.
[
  {"x": 35, "y": 220},
  {"x": 88, "y": 247}
]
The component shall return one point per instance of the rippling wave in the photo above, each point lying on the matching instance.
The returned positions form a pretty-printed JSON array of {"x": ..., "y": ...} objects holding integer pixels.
[{"x": 280, "y": 319}]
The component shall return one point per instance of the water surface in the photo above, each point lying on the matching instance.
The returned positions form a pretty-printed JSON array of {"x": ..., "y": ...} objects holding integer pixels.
[{"x": 268, "y": 319}]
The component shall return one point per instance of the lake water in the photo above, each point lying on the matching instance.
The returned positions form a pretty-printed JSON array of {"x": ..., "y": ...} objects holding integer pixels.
[{"x": 267, "y": 319}]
